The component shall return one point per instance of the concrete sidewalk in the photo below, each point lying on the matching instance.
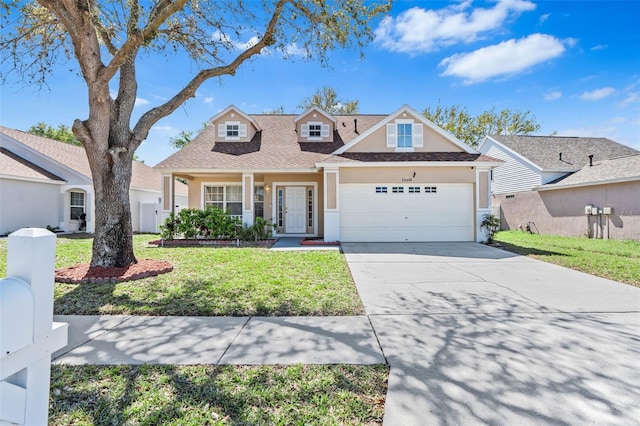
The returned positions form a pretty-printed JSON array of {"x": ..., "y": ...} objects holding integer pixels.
[{"x": 219, "y": 340}]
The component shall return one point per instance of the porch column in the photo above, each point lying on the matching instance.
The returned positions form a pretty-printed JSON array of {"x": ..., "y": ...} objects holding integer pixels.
[
  {"x": 168, "y": 204},
  {"x": 247, "y": 198},
  {"x": 331, "y": 205}
]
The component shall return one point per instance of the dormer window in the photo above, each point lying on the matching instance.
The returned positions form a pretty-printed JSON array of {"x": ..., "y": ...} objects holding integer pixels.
[
  {"x": 404, "y": 135},
  {"x": 232, "y": 130},
  {"x": 314, "y": 131}
]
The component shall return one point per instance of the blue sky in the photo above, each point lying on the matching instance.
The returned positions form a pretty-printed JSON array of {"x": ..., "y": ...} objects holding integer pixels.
[{"x": 574, "y": 64}]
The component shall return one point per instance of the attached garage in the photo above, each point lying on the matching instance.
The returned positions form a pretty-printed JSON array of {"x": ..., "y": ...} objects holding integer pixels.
[{"x": 392, "y": 212}]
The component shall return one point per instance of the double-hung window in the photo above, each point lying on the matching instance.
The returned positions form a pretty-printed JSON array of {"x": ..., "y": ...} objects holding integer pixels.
[
  {"x": 315, "y": 130},
  {"x": 77, "y": 205},
  {"x": 225, "y": 198},
  {"x": 232, "y": 130},
  {"x": 404, "y": 135}
]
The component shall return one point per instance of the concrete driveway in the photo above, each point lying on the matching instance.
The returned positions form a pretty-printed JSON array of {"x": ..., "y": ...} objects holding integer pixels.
[{"x": 477, "y": 335}]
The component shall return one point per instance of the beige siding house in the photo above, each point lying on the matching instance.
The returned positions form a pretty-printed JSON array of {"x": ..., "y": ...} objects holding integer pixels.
[
  {"x": 44, "y": 182},
  {"x": 395, "y": 177},
  {"x": 572, "y": 186}
]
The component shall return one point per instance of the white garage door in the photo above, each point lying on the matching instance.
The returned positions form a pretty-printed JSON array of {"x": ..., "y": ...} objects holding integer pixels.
[{"x": 392, "y": 212}]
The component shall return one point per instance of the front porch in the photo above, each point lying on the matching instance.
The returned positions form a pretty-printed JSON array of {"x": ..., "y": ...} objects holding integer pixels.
[{"x": 293, "y": 202}]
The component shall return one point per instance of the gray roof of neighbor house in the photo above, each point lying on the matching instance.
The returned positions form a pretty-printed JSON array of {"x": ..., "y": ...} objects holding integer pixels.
[
  {"x": 545, "y": 151},
  {"x": 73, "y": 157},
  {"x": 623, "y": 169},
  {"x": 277, "y": 146}
]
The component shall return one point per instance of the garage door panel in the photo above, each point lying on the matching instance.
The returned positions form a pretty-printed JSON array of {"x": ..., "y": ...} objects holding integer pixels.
[{"x": 446, "y": 215}]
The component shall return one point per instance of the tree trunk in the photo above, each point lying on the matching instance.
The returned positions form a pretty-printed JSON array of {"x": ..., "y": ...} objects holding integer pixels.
[{"x": 113, "y": 240}]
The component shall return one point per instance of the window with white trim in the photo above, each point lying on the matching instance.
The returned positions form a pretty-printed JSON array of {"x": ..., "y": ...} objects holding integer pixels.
[
  {"x": 314, "y": 131},
  {"x": 258, "y": 201},
  {"x": 310, "y": 208},
  {"x": 227, "y": 198},
  {"x": 232, "y": 130},
  {"x": 404, "y": 135},
  {"x": 76, "y": 203},
  {"x": 280, "y": 207}
]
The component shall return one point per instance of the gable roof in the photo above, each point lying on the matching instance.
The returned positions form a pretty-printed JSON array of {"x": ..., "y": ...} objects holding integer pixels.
[
  {"x": 11, "y": 164},
  {"x": 74, "y": 158},
  {"x": 623, "y": 169},
  {"x": 420, "y": 117},
  {"x": 319, "y": 111},
  {"x": 239, "y": 112},
  {"x": 544, "y": 151},
  {"x": 275, "y": 148}
]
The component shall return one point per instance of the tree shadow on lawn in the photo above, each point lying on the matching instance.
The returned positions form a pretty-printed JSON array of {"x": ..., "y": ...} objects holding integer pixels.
[
  {"x": 192, "y": 298},
  {"x": 206, "y": 394},
  {"x": 526, "y": 251}
]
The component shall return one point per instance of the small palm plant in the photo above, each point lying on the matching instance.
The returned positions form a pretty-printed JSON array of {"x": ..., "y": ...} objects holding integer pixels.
[{"x": 492, "y": 224}]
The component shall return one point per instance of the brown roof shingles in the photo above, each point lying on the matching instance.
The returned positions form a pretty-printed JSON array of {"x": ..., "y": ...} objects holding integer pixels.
[
  {"x": 74, "y": 158},
  {"x": 279, "y": 146},
  {"x": 414, "y": 156}
]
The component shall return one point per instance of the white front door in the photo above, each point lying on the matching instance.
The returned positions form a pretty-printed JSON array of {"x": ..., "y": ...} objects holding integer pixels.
[{"x": 294, "y": 210}]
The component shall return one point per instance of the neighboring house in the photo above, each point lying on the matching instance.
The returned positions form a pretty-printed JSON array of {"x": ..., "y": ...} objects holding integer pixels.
[
  {"x": 547, "y": 182},
  {"x": 44, "y": 182},
  {"x": 394, "y": 177}
]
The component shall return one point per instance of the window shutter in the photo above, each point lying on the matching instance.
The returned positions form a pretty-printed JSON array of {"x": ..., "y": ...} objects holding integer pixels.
[
  {"x": 242, "y": 130},
  {"x": 304, "y": 130},
  {"x": 391, "y": 135},
  {"x": 325, "y": 131},
  {"x": 417, "y": 139},
  {"x": 222, "y": 130}
]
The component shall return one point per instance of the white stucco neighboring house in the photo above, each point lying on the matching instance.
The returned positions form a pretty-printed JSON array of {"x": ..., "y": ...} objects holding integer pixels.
[{"x": 44, "y": 182}]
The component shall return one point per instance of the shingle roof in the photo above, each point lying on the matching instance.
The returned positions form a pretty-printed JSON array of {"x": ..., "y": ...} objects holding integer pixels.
[
  {"x": 74, "y": 157},
  {"x": 618, "y": 169},
  {"x": 12, "y": 164},
  {"x": 275, "y": 147},
  {"x": 414, "y": 156},
  {"x": 544, "y": 151}
]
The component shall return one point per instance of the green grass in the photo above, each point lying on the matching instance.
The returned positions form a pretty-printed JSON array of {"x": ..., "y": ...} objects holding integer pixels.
[
  {"x": 613, "y": 259},
  {"x": 212, "y": 282},
  {"x": 217, "y": 395}
]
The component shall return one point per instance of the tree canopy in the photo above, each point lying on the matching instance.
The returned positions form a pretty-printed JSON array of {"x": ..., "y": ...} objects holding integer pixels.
[
  {"x": 62, "y": 133},
  {"x": 326, "y": 99},
  {"x": 107, "y": 38},
  {"x": 472, "y": 129}
]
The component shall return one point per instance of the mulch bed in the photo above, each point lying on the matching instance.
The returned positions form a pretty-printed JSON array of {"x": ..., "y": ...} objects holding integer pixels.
[
  {"x": 82, "y": 274},
  {"x": 211, "y": 243},
  {"x": 317, "y": 242}
]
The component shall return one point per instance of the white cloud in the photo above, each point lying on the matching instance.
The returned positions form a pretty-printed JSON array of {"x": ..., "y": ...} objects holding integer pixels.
[
  {"x": 599, "y": 47},
  {"x": 596, "y": 95},
  {"x": 552, "y": 96},
  {"x": 503, "y": 59},
  {"x": 293, "y": 49},
  {"x": 631, "y": 98},
  {"x": 208, "y": 99},
  {"x": 616, "y": 120},
  {"x": 543, "y": 18},
  {"x": 419, "y": 30},
  {"x": 141, "y": 102}
]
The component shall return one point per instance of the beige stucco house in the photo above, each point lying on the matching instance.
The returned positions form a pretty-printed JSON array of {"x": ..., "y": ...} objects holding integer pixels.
[
  {"x": 572, "y": 186},
  {"x": 44, "y": 182},
  {"x": 395, "y": 177}
]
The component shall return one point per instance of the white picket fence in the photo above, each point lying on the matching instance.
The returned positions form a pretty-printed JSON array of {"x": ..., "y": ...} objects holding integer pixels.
[{"x": 28, "y": 335}]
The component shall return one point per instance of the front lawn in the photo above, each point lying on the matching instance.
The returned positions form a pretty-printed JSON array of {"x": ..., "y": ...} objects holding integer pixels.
[
  {"x": 613, "y": 259},
  {"x": 217, "y": 395},
  {"x": 213, "y": 282}
]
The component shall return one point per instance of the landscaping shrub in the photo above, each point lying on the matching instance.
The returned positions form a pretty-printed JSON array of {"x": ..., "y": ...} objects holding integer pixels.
[{"x": 212, "y": 223}]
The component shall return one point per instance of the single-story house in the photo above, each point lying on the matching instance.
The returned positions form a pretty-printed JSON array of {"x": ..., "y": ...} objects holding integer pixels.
[
  {"x": 44, "y": 182},
  {"x": 572, "y": 186},
  {"x": 395, "y": 177}
]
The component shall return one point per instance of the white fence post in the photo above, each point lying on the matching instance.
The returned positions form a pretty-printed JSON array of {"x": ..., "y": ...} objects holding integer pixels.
[{"x": 28, "y": 334}]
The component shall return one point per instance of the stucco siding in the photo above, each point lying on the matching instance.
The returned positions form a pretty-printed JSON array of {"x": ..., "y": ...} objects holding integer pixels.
[
  {"x": 405, "y": 175},
  {"x": 233, "y": 116},
  {"x": 513, "y": 175},
  {"x": 28, "y": 204},
  {"x": 432, "y": 140},
  {"x": 315, "y": 117},
  {"x": 561, "y": 212}
]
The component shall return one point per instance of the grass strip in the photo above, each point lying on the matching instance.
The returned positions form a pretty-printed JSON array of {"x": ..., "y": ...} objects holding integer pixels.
[
  {"x": 217, "y": 395},
  {"x": 617, "y": 260}
]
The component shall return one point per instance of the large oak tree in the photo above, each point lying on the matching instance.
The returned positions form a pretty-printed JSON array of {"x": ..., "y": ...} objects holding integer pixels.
[{"x": 106, "y": 39}]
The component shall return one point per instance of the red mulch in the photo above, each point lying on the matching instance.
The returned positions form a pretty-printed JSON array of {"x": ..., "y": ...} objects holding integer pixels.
[
  {"x": 211, "y": 243},
  {"x": 81, "y": 274},
  {"x": 316, "y": 242}
]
